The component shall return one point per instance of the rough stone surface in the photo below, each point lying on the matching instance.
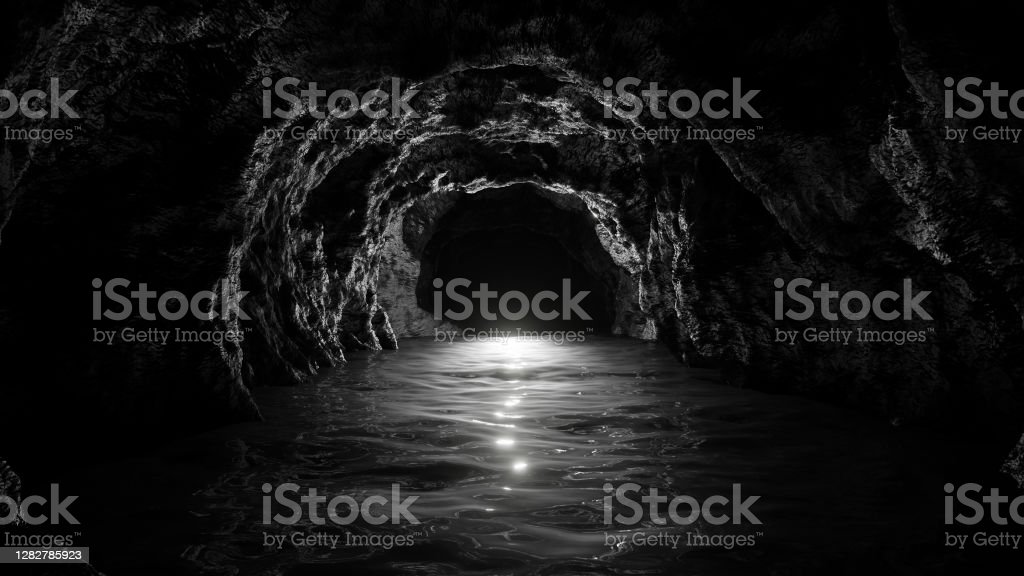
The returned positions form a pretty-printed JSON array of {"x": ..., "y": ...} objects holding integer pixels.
[{"x": 848, "y": 181}]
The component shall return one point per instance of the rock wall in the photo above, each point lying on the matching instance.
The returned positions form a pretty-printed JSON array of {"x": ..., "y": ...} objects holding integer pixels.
[{"x": 849, "y": 180}]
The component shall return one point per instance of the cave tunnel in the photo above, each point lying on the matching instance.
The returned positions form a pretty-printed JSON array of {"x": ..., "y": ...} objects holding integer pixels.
[
  {"x": 514, "y": 240},
  {"x": 322, "y": 239}
]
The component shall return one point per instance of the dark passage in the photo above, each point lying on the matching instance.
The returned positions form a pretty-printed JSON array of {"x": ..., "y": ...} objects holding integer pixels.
[{"x": 518, "y": 243}]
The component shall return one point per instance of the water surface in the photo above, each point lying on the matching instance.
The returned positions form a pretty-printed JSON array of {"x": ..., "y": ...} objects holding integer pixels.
[{"x": 509, "y": 446}]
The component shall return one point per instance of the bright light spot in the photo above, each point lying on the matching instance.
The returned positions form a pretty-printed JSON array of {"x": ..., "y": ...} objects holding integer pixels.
[
  {"x": 475, "y": 421},
  {"x": 517, "y": 347},
  {"x": 503, "y": 415},
  {"x": 505, "y": 442},
  {"x": 519, "y": 466},
  {"x": 512, "y": 401}
]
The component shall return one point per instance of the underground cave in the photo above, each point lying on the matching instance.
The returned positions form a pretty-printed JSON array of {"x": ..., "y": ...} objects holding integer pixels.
[{"x": 529, "y": 264}]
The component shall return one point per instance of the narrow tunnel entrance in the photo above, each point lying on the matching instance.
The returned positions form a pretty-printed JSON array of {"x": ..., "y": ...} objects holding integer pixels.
[
  {"x": 519, "y": 260},
  {"x": 542, "y": 266}
]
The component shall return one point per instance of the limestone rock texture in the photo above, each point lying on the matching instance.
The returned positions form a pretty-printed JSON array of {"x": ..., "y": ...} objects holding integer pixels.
[{"x": 173, "y": 179}]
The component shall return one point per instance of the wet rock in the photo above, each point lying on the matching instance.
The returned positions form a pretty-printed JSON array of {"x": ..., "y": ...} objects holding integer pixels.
[{"x": 849, "y": 181}]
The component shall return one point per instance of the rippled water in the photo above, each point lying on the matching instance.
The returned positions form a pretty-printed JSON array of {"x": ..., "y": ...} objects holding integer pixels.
[{"x": 508, "y": 448}]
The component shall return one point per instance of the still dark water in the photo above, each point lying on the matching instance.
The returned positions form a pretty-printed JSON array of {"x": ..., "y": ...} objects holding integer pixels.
[{"x": 508, "y": 448}]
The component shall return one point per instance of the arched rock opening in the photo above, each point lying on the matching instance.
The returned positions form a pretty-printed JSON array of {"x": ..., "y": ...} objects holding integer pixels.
[
  {"x": 514, "y": 238},
  {"x": 849, "y": 181}
]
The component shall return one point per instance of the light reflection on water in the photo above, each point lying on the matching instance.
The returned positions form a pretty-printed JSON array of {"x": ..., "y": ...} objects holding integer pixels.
[{"x": 508, "y": 447}]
